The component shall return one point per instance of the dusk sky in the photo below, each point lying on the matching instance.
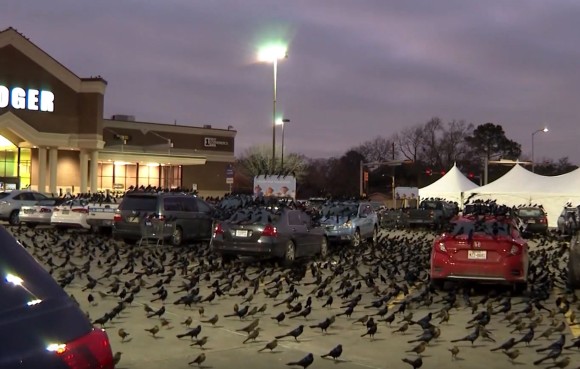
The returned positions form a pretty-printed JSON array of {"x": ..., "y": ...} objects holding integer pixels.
[{"x": 356, "y": 68}]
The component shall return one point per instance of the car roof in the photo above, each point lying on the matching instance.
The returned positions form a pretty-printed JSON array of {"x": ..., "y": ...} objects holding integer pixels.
[{"x": 486, "y": 218}]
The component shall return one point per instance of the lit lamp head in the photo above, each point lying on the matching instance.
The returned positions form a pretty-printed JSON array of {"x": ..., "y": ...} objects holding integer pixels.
[
  {"x": 545, "y": 129},
  {"x": 281, "y": 121},
  {"x": 272, "y": 53}
]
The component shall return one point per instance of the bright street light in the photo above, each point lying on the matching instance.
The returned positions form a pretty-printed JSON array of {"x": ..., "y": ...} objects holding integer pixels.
[
  {"x": 271, "y": 54},
  {"x": 544, "y": 130},
  {"x": 281, "y": 122}
]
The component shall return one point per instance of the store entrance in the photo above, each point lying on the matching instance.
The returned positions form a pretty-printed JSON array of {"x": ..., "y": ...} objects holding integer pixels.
[{"x": 14, "y": 166}]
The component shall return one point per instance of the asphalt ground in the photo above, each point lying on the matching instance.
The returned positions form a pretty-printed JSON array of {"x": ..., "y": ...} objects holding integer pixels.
[{"x": 225, "y": 347}]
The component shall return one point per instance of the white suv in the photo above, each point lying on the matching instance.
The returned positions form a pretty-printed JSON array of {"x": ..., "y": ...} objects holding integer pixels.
[{"x": 12, "y": 201}]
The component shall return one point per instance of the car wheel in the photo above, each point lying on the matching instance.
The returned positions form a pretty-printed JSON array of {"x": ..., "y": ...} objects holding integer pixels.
[
  {"x": 520, "y": 288},
  {"x": 324, "y": 248},
  {"x": 290, "y": 252},
  {"x": 574, "y": 264},
  {"x": 356, "y": 238},
  {"x": 177, "y": 236},
  {"x": 14, "y": 218}
]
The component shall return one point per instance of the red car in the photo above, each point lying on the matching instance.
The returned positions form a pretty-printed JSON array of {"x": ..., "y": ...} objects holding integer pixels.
[{"x": 482, "y": 248}]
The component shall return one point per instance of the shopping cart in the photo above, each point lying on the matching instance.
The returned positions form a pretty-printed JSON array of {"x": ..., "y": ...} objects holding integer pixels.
[{"x": 155, "y": 229}]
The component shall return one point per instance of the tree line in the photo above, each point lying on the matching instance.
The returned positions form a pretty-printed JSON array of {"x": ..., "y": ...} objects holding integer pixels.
[{"x": 422, "y": 154}]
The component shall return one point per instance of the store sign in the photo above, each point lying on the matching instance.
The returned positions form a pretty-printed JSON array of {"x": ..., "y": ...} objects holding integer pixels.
[
  {"x": 31, "y": 99},
  {"x": 213, "y": 142}
]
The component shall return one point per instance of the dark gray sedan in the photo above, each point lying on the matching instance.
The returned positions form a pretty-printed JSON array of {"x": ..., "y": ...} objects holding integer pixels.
[{"x": 285, "y": 233}]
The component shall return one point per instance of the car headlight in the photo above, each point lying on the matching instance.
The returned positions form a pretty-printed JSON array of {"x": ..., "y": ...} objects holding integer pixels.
[{"x": 347, "y": 225}]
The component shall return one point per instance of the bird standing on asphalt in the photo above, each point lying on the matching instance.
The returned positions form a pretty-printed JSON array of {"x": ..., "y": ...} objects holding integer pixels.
[
  {"x": 122, "y": 334},
  {"x": 416, "y": 364},
  {"x": 454, "y": 352},
  {"x": 334, "y": 353},
  {"x": 296, "y": 332},
  {"x": 305, "y": 362},
  {"x": 270, "y": 346},
  {"x": 198, "y": 360}
]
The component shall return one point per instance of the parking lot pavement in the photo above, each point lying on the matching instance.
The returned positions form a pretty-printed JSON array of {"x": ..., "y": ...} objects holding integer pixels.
[{"x": 225, "y": 347}]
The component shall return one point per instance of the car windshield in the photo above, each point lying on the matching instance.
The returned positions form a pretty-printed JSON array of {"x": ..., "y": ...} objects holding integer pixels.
[
  {"x": 530, "y": 212},
  {"x": 487, "y": 227},
  {"x": 342, "y": 210},
  {"x": 250, "y": 216},
  {"x": 141, "y": 203},
  {"x": 4, "y": 194}
]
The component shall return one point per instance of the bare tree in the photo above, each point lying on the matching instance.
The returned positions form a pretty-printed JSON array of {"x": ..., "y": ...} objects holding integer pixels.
[
  {"x": 452, "y": 147},
  {"x": 409, "y": 142},
  {"x": 377, "y": 149}
]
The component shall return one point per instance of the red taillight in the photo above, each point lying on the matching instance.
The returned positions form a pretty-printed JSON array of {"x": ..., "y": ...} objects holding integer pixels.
[
  {"x": 117, "y": 217},
  {"x": 161, "y": 217},
  {"x": 56, "y": 209},
  {"x": 270, "y": 231},
  {"x": 90, "y": 351},
  {"x": 218, "y": 230},
  {"x": 81, "y": 210},
  {"x": 431, "y": 214},
  {"x": 45, "y": 210},
  {"x": 544, "y": 220}
]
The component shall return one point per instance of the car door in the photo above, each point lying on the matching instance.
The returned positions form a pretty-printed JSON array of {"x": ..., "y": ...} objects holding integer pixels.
[
  {"x": 298, "y": 232},
  {"x": 205, "y": 219},
  {"x": 366, "y": 226},
  {"x": 313, "y": 235},
  {"x": 175, "y": 209},
  {"x": 193, "y": 220},
  {"x": 25, "y": 198}
]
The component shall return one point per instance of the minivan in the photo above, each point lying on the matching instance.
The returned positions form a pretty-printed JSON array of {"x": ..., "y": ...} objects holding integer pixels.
[{"x": 190, "y": 215}]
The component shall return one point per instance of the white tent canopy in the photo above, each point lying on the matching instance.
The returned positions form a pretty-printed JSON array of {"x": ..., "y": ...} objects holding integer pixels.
[
  {"x": 449, "y": 187},
  {"x": 519, "y": 186}
]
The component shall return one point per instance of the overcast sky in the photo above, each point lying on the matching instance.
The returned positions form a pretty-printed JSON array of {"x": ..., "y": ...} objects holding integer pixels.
[{"x": 356, "y": 68}]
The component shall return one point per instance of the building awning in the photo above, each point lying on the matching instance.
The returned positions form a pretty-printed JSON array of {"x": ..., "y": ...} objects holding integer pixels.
[{"x": 148, "y": 158}]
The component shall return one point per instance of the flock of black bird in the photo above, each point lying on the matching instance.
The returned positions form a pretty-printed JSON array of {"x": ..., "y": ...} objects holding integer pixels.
[{"x": 379, "y": 291}]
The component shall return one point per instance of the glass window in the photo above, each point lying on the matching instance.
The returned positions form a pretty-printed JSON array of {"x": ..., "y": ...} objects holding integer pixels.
[
  {"x": 144, "y": 203},
  {"x": 203, "y": 207},
  {"x": 172, "y": 204},
  {"x": 190, "y": 204}
]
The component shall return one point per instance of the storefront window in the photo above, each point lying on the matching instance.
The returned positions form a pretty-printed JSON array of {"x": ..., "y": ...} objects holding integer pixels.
[
  {"x": 13, "y": 173},
  {"x": 121, "y": 175}
]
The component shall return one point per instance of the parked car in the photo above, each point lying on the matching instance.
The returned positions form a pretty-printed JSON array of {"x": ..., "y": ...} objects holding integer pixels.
[
  {"x": 101, "y": 216},
  {"x": 284, "y": 232},
  {"x": 534, "y": 218},
  {"x": 481, "y": 248},
  {"x": 71, "y": 214},
  {"x": 393, "y": 218},
  {"x": 574, "y": 261},
  {"x": 350, "y": 222},
  {"x": 39, "y": 213},
  {"x": 191, "y": 215},
  {"x": 12, "y": 201},
  {"x": 431, "y": 213},
  {"x": 569, "y": 221},
  {"x": 40, "y": 325}
]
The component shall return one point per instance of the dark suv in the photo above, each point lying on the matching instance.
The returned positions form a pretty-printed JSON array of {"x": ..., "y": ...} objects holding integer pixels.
[
  {"x": 40, "y": 325},
  {"x": 191, "y": 216}
]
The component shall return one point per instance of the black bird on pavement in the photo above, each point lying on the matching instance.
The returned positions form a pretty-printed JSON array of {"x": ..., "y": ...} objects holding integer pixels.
[
  {"x": 527, "y": 338},
  {"x": 416, "y": 364},
  {"x": 304, "y": 313},
  {"x": 305, "y": 362},
  {"x": 334, "y": 353},
  {"x": 323, "y": 325},
  {"x": 506, "y": 345},
  {"x": 558, "y": 344},
  {"x": 240, "y": 313},
  {"x": 470, "y": 337},
  {"x": 328, "y": 302},
  {"x": 293, "y": 333},
  {"x": 158, "y": 313},
  {"x": 371, "y": 331},
  {"x": 279, "y": 318},
  {"x": 191, "y": 333},
  {"x": 348, "y": 312}
]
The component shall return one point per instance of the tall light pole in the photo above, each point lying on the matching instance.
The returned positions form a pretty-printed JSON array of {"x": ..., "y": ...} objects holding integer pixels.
[
  {"x": 271, "y": 54},
  {"x": 545, "y": 129},
  {"x": 281, "y": 122}
]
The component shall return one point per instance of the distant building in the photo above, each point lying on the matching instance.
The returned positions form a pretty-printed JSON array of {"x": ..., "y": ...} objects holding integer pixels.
[{"x": 53, "y": 135}]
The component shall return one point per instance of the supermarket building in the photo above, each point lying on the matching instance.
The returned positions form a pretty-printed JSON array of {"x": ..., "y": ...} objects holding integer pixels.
[{"x": 54, "y": 138}]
